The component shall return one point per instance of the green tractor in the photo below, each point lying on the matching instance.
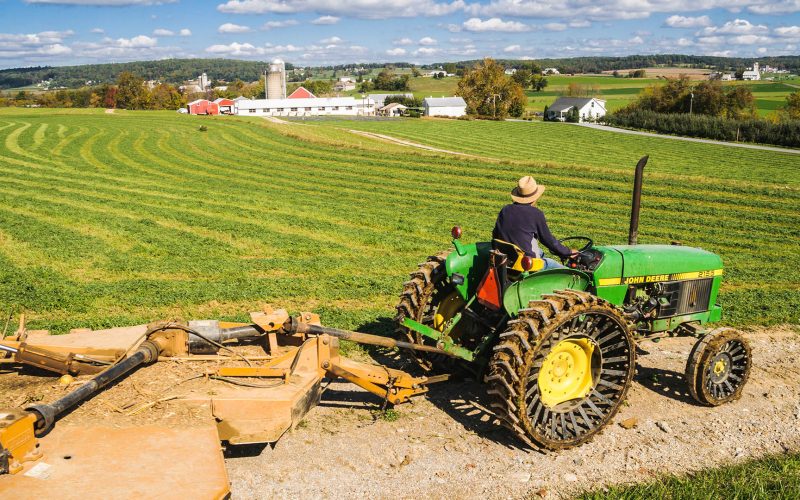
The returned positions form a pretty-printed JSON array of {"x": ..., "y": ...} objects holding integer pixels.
[{"x": 557, "y": 347}]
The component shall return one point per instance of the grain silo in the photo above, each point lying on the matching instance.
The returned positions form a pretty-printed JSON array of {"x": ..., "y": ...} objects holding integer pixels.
[{"x": 275, "y": 80}]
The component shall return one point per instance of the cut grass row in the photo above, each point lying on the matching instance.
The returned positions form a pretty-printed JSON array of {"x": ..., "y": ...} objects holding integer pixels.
[{"x": 113, "y": 219}]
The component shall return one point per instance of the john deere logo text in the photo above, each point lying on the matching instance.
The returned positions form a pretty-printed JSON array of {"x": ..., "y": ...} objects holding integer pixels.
[{"x": 633, "y": 280}]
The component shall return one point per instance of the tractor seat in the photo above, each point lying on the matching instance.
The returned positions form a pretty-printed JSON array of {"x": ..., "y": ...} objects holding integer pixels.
[{"x": 515, "y": 255}]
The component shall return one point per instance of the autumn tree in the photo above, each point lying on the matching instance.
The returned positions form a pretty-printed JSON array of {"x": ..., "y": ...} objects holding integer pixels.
[
  {"x": 131, "y": 92},
  {"x": 792, "y": 108},
  {"x": 489, "y": 92}
]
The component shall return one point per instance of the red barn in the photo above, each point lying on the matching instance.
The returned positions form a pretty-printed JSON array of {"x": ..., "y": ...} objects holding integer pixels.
[
  {"x": 203, "y": 107},
  {"x": 301, "y": 93},
  {"x": 225, "y": 105}
]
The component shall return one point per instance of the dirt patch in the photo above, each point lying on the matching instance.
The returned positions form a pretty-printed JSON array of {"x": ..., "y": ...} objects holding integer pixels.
[
  {"x": 110, "y": 111},
  {"x": 446, "y": 445},
  {"x": 691, "y": 73}
]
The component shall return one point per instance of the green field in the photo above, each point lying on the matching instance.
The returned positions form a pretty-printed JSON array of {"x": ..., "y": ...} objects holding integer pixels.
[
  {"x": 773, "y": 477},
  {"x": 618, "y": 92},
  {"x": 124, "y": 218}
]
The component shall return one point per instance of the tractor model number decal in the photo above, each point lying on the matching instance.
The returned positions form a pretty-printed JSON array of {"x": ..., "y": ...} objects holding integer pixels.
[{"x": 655, "y": 278}]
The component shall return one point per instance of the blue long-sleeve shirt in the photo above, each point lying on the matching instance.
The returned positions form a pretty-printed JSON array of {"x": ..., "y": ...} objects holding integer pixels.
[{"x": 524, "y": 224}]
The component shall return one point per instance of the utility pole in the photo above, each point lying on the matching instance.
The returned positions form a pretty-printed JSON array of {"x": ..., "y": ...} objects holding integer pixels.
[{"x": 494, "y": 104}]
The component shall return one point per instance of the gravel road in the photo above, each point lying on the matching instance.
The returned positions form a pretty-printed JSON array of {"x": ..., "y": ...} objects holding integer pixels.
[{"x": 446, "y": 444}]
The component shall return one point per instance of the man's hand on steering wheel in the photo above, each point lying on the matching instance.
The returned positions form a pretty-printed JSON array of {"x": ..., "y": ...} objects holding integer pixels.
[{"x": 574, "y": 254}]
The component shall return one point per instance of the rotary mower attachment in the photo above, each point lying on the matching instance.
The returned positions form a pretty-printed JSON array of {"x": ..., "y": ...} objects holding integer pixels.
[{"x": 247, "y": 398}]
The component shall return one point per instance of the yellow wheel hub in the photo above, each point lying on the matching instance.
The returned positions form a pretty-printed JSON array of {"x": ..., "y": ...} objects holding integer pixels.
[
  {"x": 566, "y": 372},
  {"x": 719, "y": 367},
  {"x": 448, "y": 308}
]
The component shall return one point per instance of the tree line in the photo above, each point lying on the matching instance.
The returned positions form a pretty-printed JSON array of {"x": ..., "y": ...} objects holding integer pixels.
[{"x": 709, "y": 110}]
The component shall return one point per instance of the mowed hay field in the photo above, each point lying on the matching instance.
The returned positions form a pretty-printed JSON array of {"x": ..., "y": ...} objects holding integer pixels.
[{"x": 114, "y": 219}]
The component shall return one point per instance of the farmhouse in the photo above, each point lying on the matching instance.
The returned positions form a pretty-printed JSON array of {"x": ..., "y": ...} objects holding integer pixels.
[
  {"x": 320, "y": 106},
  {"x": 380, "y": 99},
  {"x": 551, "y": 71},
  {"x": 444, "y": 106},
  {"x": 226, "y": 106},
  {"x": 202, "y": 107},
  {"x": 589, "y": 108},
  {"x": 393, "y": 109},
  {"x": 344, "y": 86}
]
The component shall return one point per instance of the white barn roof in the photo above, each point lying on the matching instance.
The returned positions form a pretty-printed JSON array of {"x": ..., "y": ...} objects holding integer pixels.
[{"x": 443, "y": 102}]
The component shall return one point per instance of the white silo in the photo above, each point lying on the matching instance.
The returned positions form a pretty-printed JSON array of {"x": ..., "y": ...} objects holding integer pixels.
[{"x": 275, "y": 80}]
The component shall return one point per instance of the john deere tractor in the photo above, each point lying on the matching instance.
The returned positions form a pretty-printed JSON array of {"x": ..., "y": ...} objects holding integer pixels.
[{"x": 557, "y": 347}]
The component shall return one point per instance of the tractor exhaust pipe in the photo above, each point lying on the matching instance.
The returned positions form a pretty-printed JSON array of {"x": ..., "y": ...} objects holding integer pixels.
[{"x": 633, "y": 232}]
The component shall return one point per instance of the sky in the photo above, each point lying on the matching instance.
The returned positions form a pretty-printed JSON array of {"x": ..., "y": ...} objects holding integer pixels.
[{"x": 322, "y": 32}]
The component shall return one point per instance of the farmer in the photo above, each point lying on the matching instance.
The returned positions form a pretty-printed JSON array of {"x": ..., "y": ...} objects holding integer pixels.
[{"x": 524, "y": 225}]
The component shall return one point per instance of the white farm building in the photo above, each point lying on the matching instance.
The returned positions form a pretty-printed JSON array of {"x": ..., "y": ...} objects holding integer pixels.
[
  {"x": 589, "y": 108},
  {"x": 317, "y": 106},
  {"x": 445, "y": 106}
]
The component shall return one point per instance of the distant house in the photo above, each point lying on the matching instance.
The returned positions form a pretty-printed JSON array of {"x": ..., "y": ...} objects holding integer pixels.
[
  {"x": 226, "y": 106},
  {"x": 301, "y": 93},
  {"x": 344, "y": 86},
  {"x": 393, "y": 109},
  {"x": 202, "y": 107},
  {"x": 511, "y": 71},
  {"x": 550, "y": 71},
  {"x": 444, "y": 106},
  {"x": 589, "y": 108},
  {"x": 381, "y": 98}
]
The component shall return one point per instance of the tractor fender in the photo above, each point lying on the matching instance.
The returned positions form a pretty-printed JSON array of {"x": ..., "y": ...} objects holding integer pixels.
[{"x": 532, "y": 287}]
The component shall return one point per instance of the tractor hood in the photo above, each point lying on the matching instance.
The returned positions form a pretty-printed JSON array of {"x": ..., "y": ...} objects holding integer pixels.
[{"x": 662, "y": 261}]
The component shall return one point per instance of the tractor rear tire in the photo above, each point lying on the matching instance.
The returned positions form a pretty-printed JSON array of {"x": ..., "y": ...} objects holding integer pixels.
[
  {"x": 419, "y": 301},
  {"x": 524, "y": 380},
  {"x": 718, "y": 367}
]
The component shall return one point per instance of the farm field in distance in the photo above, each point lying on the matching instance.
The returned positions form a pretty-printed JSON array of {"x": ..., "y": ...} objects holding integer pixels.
[
  {"x": 114, "y": 219},
  {"x": 618, "y": 92}
]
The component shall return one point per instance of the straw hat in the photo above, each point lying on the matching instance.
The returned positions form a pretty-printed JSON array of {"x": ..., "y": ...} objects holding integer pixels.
[{"x": 527, "y": 191}]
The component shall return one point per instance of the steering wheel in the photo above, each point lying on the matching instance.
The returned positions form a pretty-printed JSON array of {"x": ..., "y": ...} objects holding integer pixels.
[{"x": 589, "y": 244}]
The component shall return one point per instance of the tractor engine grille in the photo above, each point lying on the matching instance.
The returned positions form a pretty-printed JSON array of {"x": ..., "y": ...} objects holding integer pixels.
[{"x": 686, "y": 297}]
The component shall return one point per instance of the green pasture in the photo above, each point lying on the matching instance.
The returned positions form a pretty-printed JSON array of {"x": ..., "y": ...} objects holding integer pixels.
[
  {"x": 772, "y": 477},
  {"x": 114, "y": 219}
]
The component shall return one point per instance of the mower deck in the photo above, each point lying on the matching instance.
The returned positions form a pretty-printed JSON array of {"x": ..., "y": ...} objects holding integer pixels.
[{"x": 125, "y": 462}]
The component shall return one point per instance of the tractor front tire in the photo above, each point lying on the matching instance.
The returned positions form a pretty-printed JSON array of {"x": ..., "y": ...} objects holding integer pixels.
[
  {"x": 718, "y": 367},
  {"x": 562, "y": 369}
]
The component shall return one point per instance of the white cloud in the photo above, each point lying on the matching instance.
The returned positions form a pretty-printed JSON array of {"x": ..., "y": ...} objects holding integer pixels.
[
  {"x": 687, "y": 22},
  {"x": 403, "y": 41},
  {"x": 234, "y": 49},
  {"x": 684, "y": 42},
  {"x": 604, "y": 10},
  {"x": 493, "y": 24},
  {"x": 788, "y": 31},
  {"x": 137, "y": 42},
  {"x": 512, "y": 48},
  {"x": 426, "y": 51},
  {"x": 761, "y": 50},
  {"x": 749, "y": 40},
  {"x": 772, "y": 8},
  {"x": 369, "y": 9},
  {"x": 233, "y": 28},
  {"x": 98, "y": 31},
  {"x": 101, "y": 3},
  {"x": 326, "y": 20},
  {"x": 735, "y": 27},
  {"x": 427, "y": 41},
  {"x": 331, "y": 41},
  {"x": 278, "y": 24},
  {"x": 555, "y": 26},
  {"x": 163, "y": 32},
  {"x": 185, "y": 32},
  {"x": 397, "y": 51},
  {"x": 580, "y": 24}
]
